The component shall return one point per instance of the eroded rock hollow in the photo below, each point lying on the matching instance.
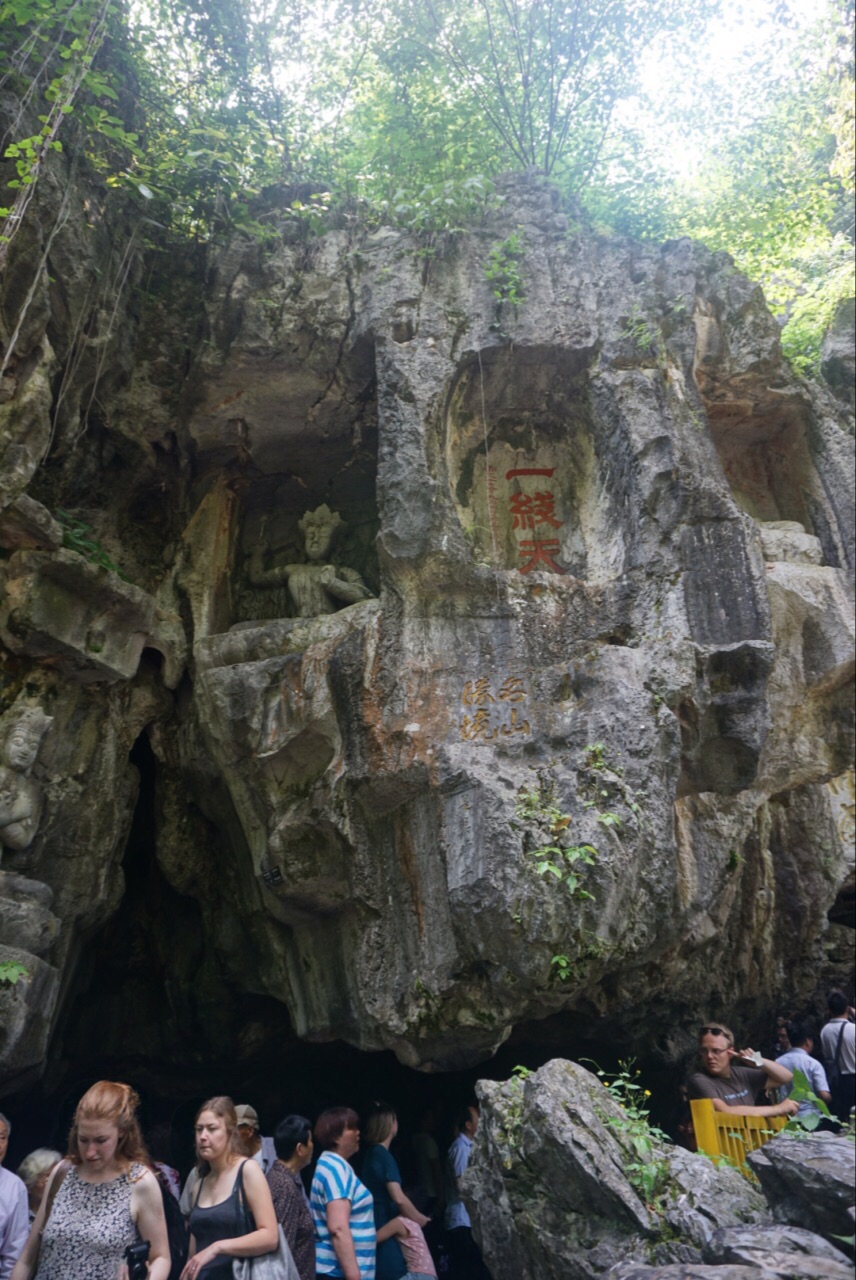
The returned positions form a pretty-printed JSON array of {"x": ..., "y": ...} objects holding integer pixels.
[{"x": 408, "y": 592}]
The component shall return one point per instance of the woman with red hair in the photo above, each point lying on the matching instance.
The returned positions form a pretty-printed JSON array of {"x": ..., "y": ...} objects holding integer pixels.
[{"x": 102, "y": 1198}]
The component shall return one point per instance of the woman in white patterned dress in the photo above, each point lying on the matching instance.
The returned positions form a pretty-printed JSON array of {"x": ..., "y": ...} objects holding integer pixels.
[{"x": 107, "y": 1197}]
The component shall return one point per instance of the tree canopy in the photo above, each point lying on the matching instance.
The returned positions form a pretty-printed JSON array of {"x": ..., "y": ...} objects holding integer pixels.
[{"x": 404, "y": 111}]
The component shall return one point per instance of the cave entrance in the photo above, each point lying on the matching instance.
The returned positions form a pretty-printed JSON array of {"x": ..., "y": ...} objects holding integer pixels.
[{"x": 150, "y": 1005}]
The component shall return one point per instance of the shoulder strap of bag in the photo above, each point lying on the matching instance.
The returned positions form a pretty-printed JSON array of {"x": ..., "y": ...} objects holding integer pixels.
[
  {"x": 838, "y": 1045},
  {"x": 32, "y": 1249},
  {"x": 246, "y": 1222},
  {"x": 63, "y": 1169}
]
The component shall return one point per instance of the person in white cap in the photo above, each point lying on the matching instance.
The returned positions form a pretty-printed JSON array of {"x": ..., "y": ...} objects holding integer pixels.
[{"x": 260, "y": 1149}]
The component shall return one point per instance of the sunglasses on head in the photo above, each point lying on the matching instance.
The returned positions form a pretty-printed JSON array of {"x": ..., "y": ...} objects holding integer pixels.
[{"x": 711, "y": 1031}]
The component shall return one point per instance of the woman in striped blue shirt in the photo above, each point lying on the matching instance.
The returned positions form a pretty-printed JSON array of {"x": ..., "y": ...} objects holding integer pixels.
[{"x": 342, "y": 1208}]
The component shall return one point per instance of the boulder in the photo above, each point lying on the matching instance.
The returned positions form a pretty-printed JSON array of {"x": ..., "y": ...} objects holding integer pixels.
[
  {"x": 810, "y": 1183},
  {"x": 751, "y": 1246},
  {"x": 555, "y": 1185}
]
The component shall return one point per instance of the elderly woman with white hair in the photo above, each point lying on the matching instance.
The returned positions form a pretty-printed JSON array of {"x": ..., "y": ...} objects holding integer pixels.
[{"x": 34, "y": 1171}]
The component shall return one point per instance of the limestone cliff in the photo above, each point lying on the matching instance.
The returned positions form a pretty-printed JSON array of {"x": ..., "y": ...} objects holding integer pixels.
[{"x": 606, "y": 543}]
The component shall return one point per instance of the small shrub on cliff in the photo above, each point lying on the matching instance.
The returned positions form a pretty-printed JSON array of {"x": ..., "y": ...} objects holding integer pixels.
[
  {"x": 648, "y": 1168},
  {"x": 563, "y": 861}
]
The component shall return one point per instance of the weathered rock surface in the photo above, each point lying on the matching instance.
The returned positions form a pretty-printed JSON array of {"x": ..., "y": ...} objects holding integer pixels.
[
  {"x": 753, "y": 1245},
  {"x": 838, "y": 353},
  {"x": 552, "y": 1185},
  {"x": 810, "y": 1183},
  {"x": 613, "y": 576},
  {"x": 781, "y": 1266}
]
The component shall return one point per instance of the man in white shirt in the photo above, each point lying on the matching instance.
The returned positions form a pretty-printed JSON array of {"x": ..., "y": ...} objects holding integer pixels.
[
  {"x": 798, "y": 1058},
  {"x": 838, "y": 1040},
  {"x": 14, "y": 1217}
]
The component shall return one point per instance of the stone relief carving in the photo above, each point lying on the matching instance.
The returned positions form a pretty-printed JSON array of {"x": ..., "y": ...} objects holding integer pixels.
[
  {"x": 316, "y": 587},
  {"x": 20, "y": 796}
]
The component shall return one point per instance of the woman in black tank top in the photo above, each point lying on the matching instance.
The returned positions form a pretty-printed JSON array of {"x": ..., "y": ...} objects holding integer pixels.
[{"x": 233, "y": 1216}]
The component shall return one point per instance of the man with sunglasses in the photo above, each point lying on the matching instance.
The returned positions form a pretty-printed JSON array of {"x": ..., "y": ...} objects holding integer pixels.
[{"x": 734, "y": 1080}]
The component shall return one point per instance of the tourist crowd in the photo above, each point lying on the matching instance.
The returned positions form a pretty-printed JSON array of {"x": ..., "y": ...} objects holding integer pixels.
[{"x": 110, "y": 1211}]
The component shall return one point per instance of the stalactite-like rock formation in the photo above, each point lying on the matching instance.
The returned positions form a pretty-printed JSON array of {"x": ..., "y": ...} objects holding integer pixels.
[{"x": 589, "y": 589}]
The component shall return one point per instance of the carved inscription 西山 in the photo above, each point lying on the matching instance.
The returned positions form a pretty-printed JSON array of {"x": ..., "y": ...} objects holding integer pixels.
[{"x": 491, "y": 717}]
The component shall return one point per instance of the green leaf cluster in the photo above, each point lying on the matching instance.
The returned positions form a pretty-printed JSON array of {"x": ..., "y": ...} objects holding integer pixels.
[
  {"x": 11, "y": 972},
  {"x": 78, "y": 536}
]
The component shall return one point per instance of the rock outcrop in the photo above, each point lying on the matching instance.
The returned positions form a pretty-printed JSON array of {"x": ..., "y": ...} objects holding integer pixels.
[
  {"x": 811, "y": 1183},
  {"x": 606, "y": 540},
  {"x": 563, "y": 1185}
]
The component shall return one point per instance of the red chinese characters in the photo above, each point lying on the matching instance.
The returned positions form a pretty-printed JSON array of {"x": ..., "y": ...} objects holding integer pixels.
[{"x": 530, "y": 510}]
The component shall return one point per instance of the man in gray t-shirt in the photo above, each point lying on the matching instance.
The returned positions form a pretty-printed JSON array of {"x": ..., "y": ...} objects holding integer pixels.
[{"x": 735, "y": 1080}]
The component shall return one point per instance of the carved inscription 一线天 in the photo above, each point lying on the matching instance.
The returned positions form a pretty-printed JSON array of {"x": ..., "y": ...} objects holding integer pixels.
[
  {"x": 528, "y": 511},
  {"x": 494, "y": 715}
]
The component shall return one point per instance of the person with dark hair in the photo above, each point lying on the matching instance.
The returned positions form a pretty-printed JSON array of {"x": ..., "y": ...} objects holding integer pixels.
[
  {"x": 798, "y": 1058},
  {"x": 464, "y": 1253},
  {"x": 102, "y": 1198},
  {"x": 342, "y": 1208},
  {"x": 381, "y": 1175},
  {"x": 838, "y": 1041},
  {"x": 293, "y": 1142}
]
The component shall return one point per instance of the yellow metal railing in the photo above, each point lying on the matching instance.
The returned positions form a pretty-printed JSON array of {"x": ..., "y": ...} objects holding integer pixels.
[{"x": 718, "y": 1133}]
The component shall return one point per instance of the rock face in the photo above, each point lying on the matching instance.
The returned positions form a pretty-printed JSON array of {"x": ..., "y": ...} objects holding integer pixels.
[
  {"x": 608, "y": 539},
  {"x": 556, "y": 1191}
]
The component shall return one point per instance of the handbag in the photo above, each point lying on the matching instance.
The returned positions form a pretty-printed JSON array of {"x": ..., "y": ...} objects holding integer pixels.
[
  {"x": 32, "y": 1248},
  {"x": 276, "y": 1265}
]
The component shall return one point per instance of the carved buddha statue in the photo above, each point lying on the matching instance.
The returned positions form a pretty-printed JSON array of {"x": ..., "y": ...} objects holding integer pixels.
[
  {"x": 20, "y": 796},
  {"x": 316, "y": 586}
]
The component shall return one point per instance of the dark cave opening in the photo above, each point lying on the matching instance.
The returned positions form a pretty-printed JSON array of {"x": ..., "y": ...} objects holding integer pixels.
[{"x": 131, "y": 1015}]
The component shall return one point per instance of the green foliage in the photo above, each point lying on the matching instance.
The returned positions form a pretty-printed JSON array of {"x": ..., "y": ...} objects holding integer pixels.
[
  {"x": 638, "y": 331},
  {"x": 451, "y": 205},
  {"x": 77, "y": 536},
  {"x": 771, "y": 178},
  {"x": 564, "y": 862},
  {"x": 503, "y": 271},
  {"x": 647, "y": 1168},
  {"x": 563, "y": 967},
  {"x": 217, "y": 116},
  {"x": 11, "y": 972}
]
